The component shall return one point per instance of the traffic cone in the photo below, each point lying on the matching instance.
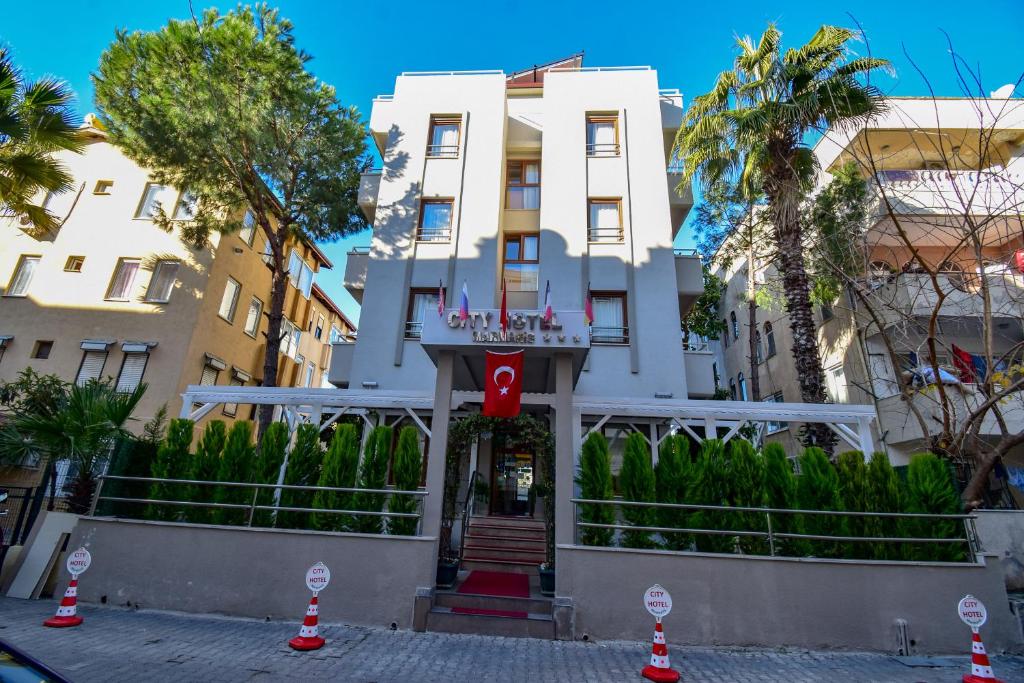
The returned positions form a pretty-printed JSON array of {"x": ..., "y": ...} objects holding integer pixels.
[
  {"x": 981, "y": 670},
  {"x": 659, "y": 670},
  {"x": 68, "y": 606},
  {"x": 308, "y": 638}
]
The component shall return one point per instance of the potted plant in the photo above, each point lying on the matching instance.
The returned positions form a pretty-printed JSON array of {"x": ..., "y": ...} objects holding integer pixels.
[{"x": 448, "y": 557}]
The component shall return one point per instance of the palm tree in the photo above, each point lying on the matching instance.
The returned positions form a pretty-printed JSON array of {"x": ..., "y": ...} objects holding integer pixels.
[
  {"x": 83, "y": 429},
  {"x": 36, "y": 120},
  {"x": 755, "y": 120}
]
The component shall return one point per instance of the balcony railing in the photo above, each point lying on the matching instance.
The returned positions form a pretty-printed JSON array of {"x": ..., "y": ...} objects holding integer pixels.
[
  {"x": 609, "y": 334},
  {"x": 434, "y": 234},
  {"x": 359, "y": 250},
  {"x": 442, "y": 151},
  {"x": 602, "y": 149},
  {"x": 413, "y": 329},
  {"x": 615, "y": 234}
]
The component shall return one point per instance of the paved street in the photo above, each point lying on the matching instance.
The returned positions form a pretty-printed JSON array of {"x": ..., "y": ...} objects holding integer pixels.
[{"x": 118, "y": 645}]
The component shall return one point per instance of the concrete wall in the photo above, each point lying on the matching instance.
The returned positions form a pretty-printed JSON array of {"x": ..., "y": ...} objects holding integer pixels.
[
  {"x": 253, "y": 572},
  {"x": 819, "y": 604},
  {"x": 1002, "y": 533}
]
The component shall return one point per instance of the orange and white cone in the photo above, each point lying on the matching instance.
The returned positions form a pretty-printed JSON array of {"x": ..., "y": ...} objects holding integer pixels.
[
  {"x": 659, "y": 670},
  {"x": 309, "y": 635},
  {"x": 66, "y": 613},
  {"x": 981, "y": 669}
]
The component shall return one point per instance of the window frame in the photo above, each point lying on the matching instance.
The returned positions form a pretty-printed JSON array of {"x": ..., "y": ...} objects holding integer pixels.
[
  {"x": 73, "y": 260},
  {"x": 318, "y": 327},
  {"x": 444, "y": 235},
  {"x": 161, "y": 263},
  {"x": 81, "y": 364},
  {"x": 103, "y": 187},
  {"x": 769, "y": 339},
  {"x": 121, "y": 261},
  {"x": 230, "y": 318},
  {"x": 509, "y": 185},
  {"x": 734, "y": 325},
  {"x": 771, "y": 426},
  {"x": 17, "y": 271},
  {"x": 410, "y": 332},
  {"x": 436, "y": 151},
  {"x": 505, "y": 261},
  {"x": 259, "y": 314},
  {"x": 142, "y": 201},
  {"x": 251, "y": 227},
  {"x": 38, "y": 345},
  {"x": 594, "y": 237},
  {"x": 124, "y": 361},
  {"x": 620, "y": 340},
  {"x": 592, "y": 147},
  {"x": 180, "y": 202}
]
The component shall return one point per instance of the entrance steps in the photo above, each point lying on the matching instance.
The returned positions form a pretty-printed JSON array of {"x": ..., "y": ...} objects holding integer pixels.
[
  {"x": 526, "y": 615},
  {"x": 509, "y": 544}
]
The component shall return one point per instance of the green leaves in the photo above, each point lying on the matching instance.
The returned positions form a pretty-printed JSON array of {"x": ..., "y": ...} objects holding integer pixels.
[
  {"x": 637, "y": 482},
  {"x": 595, "y": 480},
  {"x": 339, "y": 470},
  {"x": 407, "y": 470}
]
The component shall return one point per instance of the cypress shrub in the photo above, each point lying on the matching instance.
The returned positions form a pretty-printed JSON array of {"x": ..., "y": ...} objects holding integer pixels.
[
  {"x": 885, "y": 494},
  {"x": 203, "y": 467},
  {"x": 407, "y": 468},
  {"x": 132, "y": 458},
  {"x": 172, "y": 460},
  {"x": 855, "y": 493},
  {"x": 930, "y": 490},
  {"x": 817, "y": 488},
  {"x": 671, "y": 478},
  {"x": 303, "y": 469},
  {"x": 339, "y": 470},
  {"x": 746, "y": 481},
  {"x": 373, "y": 475},
  {"x": 637, "y": 481},
  {"x": 268, "y": 468},
  {"x": 236, "y": 465},
  {"x": 595, "y": 481},
  {"x": 780, "y": 493},
  {"x": 708, "y": 486}
]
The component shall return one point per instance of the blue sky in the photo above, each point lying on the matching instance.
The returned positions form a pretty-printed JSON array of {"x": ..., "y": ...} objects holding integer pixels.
[{"x": 361, "y": 47}]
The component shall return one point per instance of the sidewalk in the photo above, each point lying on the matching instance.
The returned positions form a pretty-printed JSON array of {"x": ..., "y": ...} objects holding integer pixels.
[{"x": 120, "y": 645}]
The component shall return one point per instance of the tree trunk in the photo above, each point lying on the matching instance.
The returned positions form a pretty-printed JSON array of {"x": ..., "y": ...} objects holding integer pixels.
[
  {"x": 755, "y": 380},
  {"x": 275, "y": 316},
  {"x": 973, "y": 495}
]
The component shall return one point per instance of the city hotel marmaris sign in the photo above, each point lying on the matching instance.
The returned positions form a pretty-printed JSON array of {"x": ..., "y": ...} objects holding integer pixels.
[{"x": 567, "y": 329}]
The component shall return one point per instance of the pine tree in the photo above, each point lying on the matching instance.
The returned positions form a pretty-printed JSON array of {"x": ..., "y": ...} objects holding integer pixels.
[
  {"x": 885, "y": 495},
  {"x": 172, "y": 459},
  {"x": 303, "y": 469},
  {"x": 203, "y": 467},
  {"x": 408, "y": 469},
  {"x": 817, "y": 488},
  {"x": 780, "y": 493},
  {"x": 930, "y": 490},
  {"x": 708, "y": 486},
  {"x": 374, "y": 475},
  {"x": 236, "y": 465},
  {"x": 671, "y": 479},
  {"x": 636, "y": 478},
  {"x": 595, "y": 481},
  {"x": 746, "y": 482},
  {"x": 339, "y": 470},
  {"x": 268, "y": 468},
  {"x": 855, "y": 492}
]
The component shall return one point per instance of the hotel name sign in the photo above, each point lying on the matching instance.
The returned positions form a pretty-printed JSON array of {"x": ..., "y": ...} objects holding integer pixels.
[{"x": 567, "y": 329}]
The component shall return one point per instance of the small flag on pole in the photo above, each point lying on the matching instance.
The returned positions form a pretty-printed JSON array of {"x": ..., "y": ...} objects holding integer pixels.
[
  {"x": 548, "y": 312},
  {"x": 464, "y": 303},
  {"x": 440, "y": 299},
  {"x": 503, "y": 319},
  {"x": 588, "y": 308}
]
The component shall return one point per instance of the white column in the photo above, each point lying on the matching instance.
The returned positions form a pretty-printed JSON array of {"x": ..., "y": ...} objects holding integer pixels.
[{"x": 438, "y": 444}]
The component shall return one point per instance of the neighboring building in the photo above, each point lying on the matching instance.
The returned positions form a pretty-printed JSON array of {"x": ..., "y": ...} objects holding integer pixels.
[
  {"x": 929, "y": 182},
  {"x": 110, "y": 294}
]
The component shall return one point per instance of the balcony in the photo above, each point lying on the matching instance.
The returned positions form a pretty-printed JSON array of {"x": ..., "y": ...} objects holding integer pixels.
[
  {"x": 369, "y": 187},
  {"x": 340, "y": 370},
  {"x": 945, "y": 193},
  {"x": 355, "y": 272},
  {"x": 901, "y": 427},
  {"x": 381, "y": 120},
  {"x": 679, "y": 204},
  {"x": 700, "y": 373},
  {"x": 671, "y": 101},
  {"x": 914, "y": 295},
  {"x": 689, "y": 278}
]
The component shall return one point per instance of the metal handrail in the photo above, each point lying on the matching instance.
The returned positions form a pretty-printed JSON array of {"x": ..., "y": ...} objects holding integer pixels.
[
  {"x": 602, "y": 149},
  {"x": 797, "y": 511},
  {"x": 433, "y": 234},
  {"x": 359, "y": 250},
  {"x": 609, "y": 334},
  {"x": 442, "y": 151},
  {"x": 297, "y": 487},
  {"x": 468, "y": 505},
  {"x": 615, "y": 234}
]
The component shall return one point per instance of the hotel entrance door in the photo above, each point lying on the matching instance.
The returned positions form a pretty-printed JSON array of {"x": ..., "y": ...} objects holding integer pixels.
[{"x": 510, "y": 485}]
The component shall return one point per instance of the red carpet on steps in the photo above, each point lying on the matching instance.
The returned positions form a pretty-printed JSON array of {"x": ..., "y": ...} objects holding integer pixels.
[{"x": 502, "y": 584}]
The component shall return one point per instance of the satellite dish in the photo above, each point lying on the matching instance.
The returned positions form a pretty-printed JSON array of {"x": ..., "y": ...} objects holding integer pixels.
[{"x": 1002, "y": 93}]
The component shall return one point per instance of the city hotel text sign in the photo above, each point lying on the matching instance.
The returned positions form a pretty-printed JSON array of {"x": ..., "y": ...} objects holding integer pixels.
[{"x": 567, "y": 329}]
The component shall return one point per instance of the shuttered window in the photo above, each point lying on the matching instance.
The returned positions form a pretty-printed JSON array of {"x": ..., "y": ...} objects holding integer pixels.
[
  {"x": 92, "y": 366},
  {"x": 209, "y": 377},
  {"x": 132, "y": 368},
  {"x": 231, "y": 408}
]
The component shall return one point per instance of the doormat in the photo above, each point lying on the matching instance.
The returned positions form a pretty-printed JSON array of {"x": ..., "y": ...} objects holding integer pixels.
[{"x": 502, "y": 584}]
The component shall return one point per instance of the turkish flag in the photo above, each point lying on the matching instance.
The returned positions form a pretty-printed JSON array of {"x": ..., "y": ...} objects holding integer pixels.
[{"x": 503, "y": 384}]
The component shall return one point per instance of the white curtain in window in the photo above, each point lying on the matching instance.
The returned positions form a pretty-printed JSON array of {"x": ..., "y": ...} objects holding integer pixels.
[
  {"x": 19, "y": 286},
  {"x": 164, "y": 275},
  {"x": 604, "y": 215},
  {"x": 607, "y": 311},
  {"x": 532, "y": 173},
  {"x": 229, "y": 300},
  {"x": 421, "y": 304},
  {"x": 252, "y": 318},
  {"x": 446, "y": 135},
  {"x": 601, "y": 133},
  {"x": 121, "y": 288},
  {"x": 306, "y": 280}
]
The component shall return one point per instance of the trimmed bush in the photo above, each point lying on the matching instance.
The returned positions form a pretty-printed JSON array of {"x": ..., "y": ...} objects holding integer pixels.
[
  {"x": 671, "y": 479},
  {"x": 303, "y": 469},
  {"x": 746, "y": 484},
  {"x": 268, "y": 468},
  {"x": 637, "y": 481},
  {"x": 885, "y": 494},
  {"x": 817, "y": 488},
  {"x": 709, "y": 486},
  {"x": 373, "y": 475},
  {"x": 203, "y": 467},
  {"x": 339, "y": 470},
  {"x": 595, "y": 481},
  {"x": 236, "y": 465},
  {"x": 855, "y": 492},
  {"x": 780, "y": 493},
  {"x": 172, "y": 461},
  {"x": 930, "y": 490},
  {"x": 408, "y": 468}
]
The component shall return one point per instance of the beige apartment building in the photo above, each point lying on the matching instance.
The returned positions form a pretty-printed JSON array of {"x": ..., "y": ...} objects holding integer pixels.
[
  {"x": 938, "y": 178},
  {"x": 111, "y": 294}
]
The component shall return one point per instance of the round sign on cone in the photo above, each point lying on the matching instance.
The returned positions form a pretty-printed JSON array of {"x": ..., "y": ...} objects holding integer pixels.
[
  {"x": 658, "y": 602},
  {"x": 973, "y": 613},
  {"x": 317, "y": 578},
  {"x": 67, "y": 612}
]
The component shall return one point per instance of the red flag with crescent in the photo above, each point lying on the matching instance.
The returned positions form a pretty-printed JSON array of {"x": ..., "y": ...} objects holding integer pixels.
[{"x": 503, "y": 384}]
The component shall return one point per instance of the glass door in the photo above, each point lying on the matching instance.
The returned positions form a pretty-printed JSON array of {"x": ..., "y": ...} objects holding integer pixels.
[{"x": 511, "y": 483}]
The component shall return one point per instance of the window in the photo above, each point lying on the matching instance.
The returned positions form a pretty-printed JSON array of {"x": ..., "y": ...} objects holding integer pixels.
[
  {"x": 421, "y": 303},
  {"x": 185, "y": 209},
  {"x": 335, "y": 337},
  {"x": 290, "y": 337},
  {"x": 41, "y": 350},
  {"x": 209, "y": 376},
  {"x": 826, "y": 312},
  {"x": 123, "y": 280},
  {"x": 23, "y": 273},
  {"x": 444, "y": 136},
  {"x": 732, "y": 388},
  {"x": 435, "y": 220},
  {"x": 300, "y": 274},
  {"x": 162, "y": 283},
  {"x": 248, "y": 231},
  {"x": 734, "y": 324},
  {"x": 835, "y": 384},
  {"x": 742, "y": 383},
  {"x": 602, "y": 135},
  {"x": 74, "y": 264},
  {"x": 103, "y": 187},
  {"x": 609, "y": 318},
  {"x": 772, "y": 426},
  {"x": 523, "y": 185},
  {"x": 300, "y": 360},
  {"x": 150, "y": 203},
  {"x": 91, "y": 368},
  {"x": 310, "y": 369},
  {"x": 715, "y": 375},
  {"x": 725, "y": 337},
  {"x": 252, "y": 318},
  {"x": 318, "y": 331},
  {"x": 522, "y": 263},
  {"x": 229, "y": 302},
  {"x": 604, "y": 220},
  {"x": 769, "y": 336},
  {"x": 238, "y": 379},
  {"x": 132, "y": 368}
]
